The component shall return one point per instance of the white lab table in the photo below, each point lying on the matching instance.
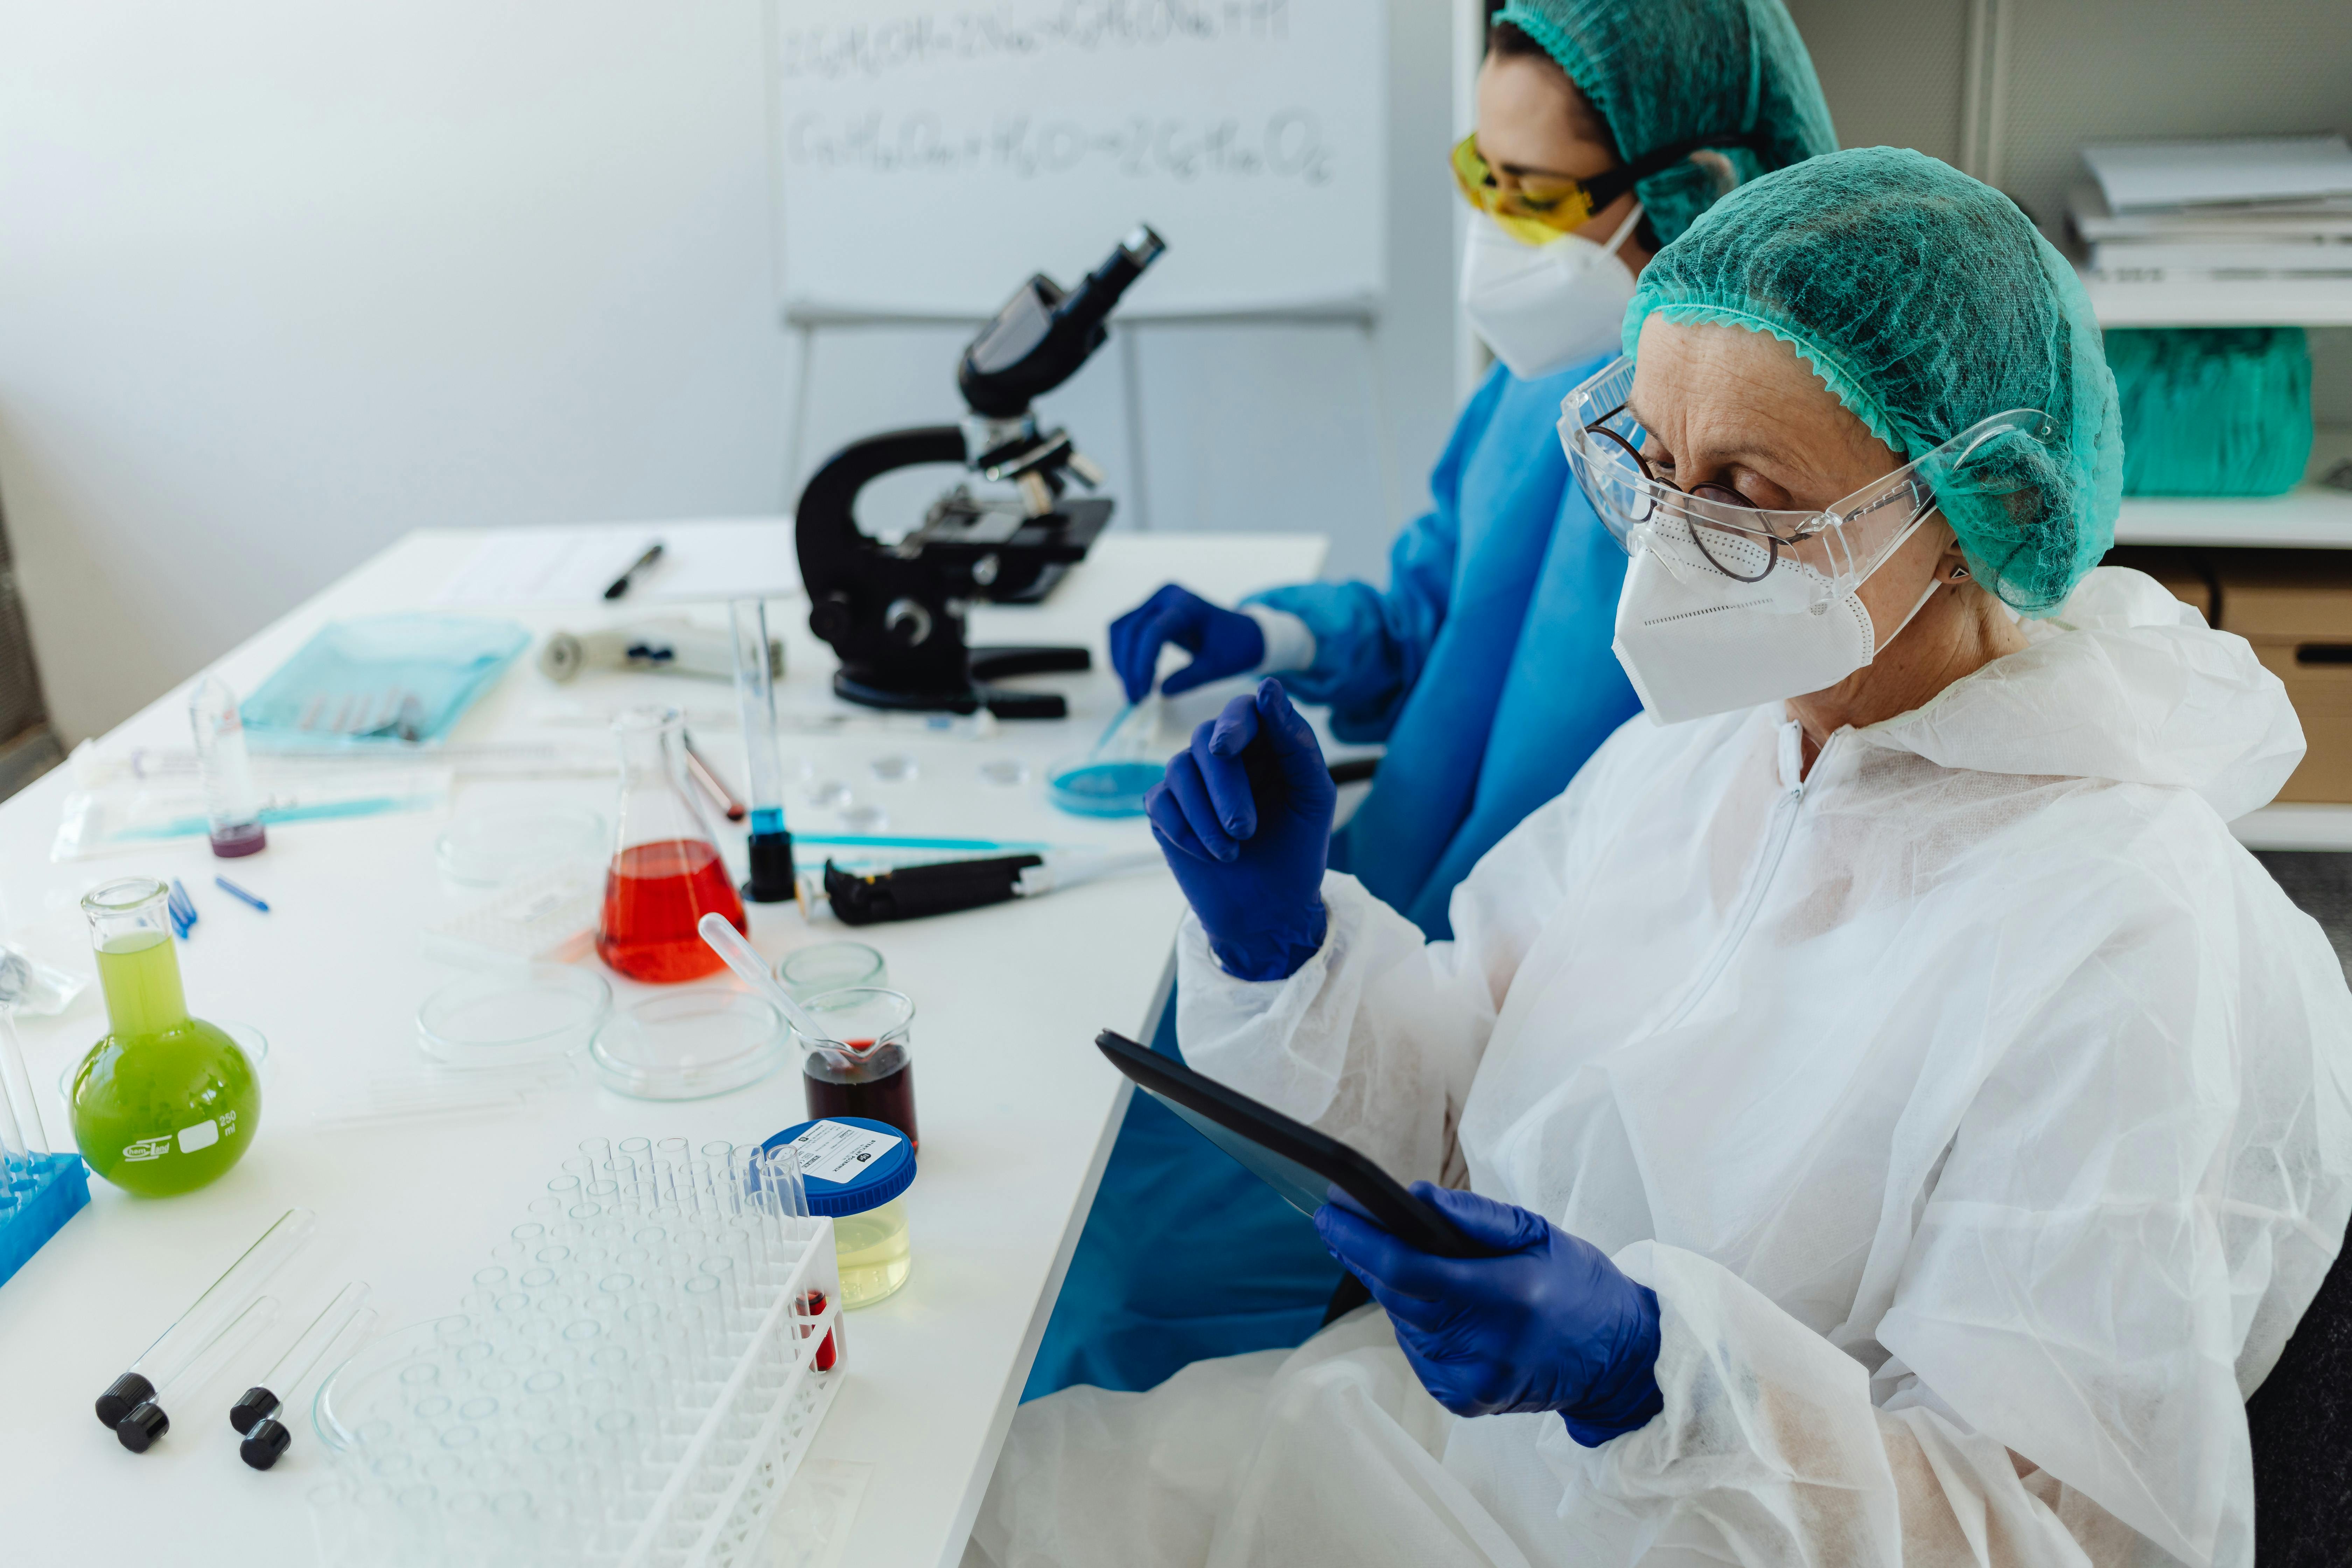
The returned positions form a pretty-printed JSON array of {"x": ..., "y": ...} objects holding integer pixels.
[{"x": 1018, "y": 1111}]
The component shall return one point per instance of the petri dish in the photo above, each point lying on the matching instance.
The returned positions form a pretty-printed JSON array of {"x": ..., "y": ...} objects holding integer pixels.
[
  {"x": 896, "y": 768},
  {"x": 823, "y": 966},
  {"x": 1005, "y": 771},
  {"x": 491, "y": 849},
  {"x": 826, "y": 792},
  {"x": 506, "y": 1017},
  {"x": 1094, "y": 787},
  {"x": 861, "y": 816},
  {"x": 689, "y": 1045}
]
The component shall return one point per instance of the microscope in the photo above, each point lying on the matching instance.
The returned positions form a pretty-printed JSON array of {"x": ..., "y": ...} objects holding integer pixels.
[{"x": 895, "y": 612}]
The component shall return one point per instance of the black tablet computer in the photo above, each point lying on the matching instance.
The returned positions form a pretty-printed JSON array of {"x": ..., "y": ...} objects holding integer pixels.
[{"x": 1290, "y": 1157}]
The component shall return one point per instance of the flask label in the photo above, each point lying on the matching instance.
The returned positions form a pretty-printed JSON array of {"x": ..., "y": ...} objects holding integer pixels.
[{"x": 202, "y": 1135}]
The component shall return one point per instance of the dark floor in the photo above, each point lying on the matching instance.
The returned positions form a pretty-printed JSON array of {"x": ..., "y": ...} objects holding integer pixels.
[{"x": 2321, "y": 884}]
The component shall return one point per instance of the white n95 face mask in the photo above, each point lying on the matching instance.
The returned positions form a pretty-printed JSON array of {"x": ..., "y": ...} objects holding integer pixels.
[
  {"x": 1695, "y": 641},
  {"x": 1542, "y": 307}
]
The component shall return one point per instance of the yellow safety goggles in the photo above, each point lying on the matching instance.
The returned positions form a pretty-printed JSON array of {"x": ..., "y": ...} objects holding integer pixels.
[{"x": 1536, "y": 209}]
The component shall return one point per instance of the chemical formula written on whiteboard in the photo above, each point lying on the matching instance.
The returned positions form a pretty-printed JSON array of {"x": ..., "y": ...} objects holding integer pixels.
[
  {"x": 875, "y": 49},
  {"x": 1285, "y": 145}
]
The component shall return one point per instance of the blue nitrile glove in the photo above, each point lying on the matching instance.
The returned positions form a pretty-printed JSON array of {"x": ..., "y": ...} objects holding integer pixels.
[
  {"x": 1222, "y": 642},
  {"x": 1245, "y": 819},
  {"x": 1550, "y": 1324}
]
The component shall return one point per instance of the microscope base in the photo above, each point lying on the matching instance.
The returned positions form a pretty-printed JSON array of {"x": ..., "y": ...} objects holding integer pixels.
[{"x": 978, "y": 692}]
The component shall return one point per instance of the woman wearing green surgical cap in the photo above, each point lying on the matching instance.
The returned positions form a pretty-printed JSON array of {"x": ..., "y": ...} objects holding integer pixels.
[
  {"x": 1604, "y": 128},
  {"x": 1898, "y": 1122}
]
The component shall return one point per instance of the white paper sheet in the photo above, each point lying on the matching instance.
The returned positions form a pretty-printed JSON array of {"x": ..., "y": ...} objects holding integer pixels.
[
  {"x": 2238, "y": 169},
  {"x": 703, "y": 559}
]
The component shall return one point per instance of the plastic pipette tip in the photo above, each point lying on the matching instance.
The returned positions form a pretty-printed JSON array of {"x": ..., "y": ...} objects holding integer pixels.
[
  {"x": 125, "y": 1394},
  {"x": 240, "y": 894},
  {"x": 139, "y": 1430},
  {"x": 262, "y": 1446},
  {"x": 256, "y": 1405}
]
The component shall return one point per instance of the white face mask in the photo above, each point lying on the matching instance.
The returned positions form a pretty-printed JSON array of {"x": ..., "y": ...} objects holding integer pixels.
[
  {"x": 1696, "y": 642},
  {"x": 1542, "y": 307}
]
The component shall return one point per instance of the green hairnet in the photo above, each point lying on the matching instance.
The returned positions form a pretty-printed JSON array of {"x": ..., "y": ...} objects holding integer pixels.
[
  {"x": 1927, "y": 302},
  {"x": 1668, "y": 72}
]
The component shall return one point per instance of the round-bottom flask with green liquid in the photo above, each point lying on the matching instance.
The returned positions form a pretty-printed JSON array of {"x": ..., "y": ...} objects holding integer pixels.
[{"x": 165, "y": 1102}]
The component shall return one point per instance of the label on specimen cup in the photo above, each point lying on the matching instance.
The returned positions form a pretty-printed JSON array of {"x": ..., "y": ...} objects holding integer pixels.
[{"x": 833, "y": 1151}]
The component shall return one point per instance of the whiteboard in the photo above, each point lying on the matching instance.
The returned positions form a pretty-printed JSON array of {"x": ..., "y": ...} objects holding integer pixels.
[{"x": 929, "y": 158}]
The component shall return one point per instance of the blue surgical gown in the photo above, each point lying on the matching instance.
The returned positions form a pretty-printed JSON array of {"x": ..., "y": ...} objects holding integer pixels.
[{"x": 1486, "y": 667}]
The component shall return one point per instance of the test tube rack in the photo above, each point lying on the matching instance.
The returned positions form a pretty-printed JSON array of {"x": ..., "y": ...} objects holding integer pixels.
[
  {"x": 633, "y": 1381},
  {"x": 36, "y": 1197}
]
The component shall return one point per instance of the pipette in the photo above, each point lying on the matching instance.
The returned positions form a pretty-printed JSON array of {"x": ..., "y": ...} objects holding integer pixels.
[
  {"x": 268, "y": 1437},
  {"x": 193, "y": 1331},
  {"x": 147, "y": 1421},
  {"x": 910, "y": 893},
  {"x": 728, "y": 943}
]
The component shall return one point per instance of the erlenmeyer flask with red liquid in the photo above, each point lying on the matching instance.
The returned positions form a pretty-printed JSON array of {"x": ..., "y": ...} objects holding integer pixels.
[{"x": 665, "y": 873}]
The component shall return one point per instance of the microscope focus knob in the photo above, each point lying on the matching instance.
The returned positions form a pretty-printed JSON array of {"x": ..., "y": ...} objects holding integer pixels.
[
  {"x": 829, "y": 617},
  {"x": 907, "y": 622}
]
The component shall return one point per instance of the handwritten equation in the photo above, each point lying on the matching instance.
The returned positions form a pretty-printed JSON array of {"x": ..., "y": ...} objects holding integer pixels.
[
  {"x": 871, "y": 49},
  {"x": 1285, "y": 145}
]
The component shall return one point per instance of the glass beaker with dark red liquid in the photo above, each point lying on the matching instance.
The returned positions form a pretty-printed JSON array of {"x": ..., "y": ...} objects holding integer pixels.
[
  {"x": 665, "y": 873},
  {"x": 867, "y": 1066}
]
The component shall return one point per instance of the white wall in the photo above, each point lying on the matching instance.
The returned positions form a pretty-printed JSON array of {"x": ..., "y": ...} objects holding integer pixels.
[{"x": 280, "y": 281}]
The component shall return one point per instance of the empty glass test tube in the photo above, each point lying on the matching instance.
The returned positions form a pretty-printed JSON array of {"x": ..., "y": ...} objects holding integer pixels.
[
  {"x": 22, "y": 1144},
  {"x": 194, "y": 1331},
  {"x": 146, "y": 1421},
  {"x": 344, "y": 1323},
  {"x": 263, "y": 1396},
  {"x": 232, "y": 804}
]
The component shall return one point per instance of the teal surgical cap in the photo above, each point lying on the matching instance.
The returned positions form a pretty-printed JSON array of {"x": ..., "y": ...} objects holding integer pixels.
[
  {"x": 1673, "y": 73},
  {"x": 1927, "y": 302}
]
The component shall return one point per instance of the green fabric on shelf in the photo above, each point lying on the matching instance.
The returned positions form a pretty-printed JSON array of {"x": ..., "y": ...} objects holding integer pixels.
[{"x": 2212, "y": 411}]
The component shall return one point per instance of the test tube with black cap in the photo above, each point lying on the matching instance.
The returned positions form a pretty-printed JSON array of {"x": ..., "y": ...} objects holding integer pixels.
[
  {"x": 195, "y": 1330},
  {"x": 269, "y": 1436},
  {"x": 268, "y": 1390},
  {"x": 148, "y": 1420}
]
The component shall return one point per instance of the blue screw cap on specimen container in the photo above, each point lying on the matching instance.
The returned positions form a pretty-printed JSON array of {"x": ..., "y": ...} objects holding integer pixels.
[{"x": 872, "y": 1187}]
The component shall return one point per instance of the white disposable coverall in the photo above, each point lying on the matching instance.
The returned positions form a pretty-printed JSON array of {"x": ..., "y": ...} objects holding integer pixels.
[{"x": 1979, "y": 1111}]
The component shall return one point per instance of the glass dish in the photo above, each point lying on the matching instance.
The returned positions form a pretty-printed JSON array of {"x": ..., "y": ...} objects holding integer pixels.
[
  {"x": 506, "y": 1017},
  {"x": 1099, "y": 786},
  {"x": 689, "y": 1045},
  {"x": 806, "y": 972}
]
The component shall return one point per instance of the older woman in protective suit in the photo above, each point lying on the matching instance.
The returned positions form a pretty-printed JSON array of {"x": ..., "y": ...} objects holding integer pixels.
[
  {"x": 1604, "y": 128},
  {"x": 1904, "y": 1124}
]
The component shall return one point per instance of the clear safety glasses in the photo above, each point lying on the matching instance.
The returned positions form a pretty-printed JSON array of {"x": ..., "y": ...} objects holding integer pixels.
[{"x": 1711, "y": 529}]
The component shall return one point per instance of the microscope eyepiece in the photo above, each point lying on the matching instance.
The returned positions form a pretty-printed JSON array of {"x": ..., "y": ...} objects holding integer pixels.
[{"x": 1042, "y": 335}]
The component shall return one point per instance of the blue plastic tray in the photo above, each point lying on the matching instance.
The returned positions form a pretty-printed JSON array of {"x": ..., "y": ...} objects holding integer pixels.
[
  {"x": 378, "y": 679},
  {"x": 61, "y": 1186}
]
